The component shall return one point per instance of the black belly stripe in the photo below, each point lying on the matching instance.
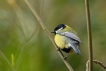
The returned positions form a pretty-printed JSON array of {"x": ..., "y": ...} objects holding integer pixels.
[{"x": 67, "y": 50}]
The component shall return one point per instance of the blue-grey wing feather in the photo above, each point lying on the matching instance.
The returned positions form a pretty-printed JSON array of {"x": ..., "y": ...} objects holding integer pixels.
[
  {"x": 70, "y": 40},
  {"x": 72, "y": 44},
  {"x": 72, "y": 36}
]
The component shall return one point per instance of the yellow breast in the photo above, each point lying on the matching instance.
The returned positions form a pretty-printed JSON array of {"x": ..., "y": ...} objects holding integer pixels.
[{"x": 60, "y": 41}]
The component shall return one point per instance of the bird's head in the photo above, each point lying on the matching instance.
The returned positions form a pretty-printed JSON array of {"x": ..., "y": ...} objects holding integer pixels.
[{"x": 59, "y": 28}]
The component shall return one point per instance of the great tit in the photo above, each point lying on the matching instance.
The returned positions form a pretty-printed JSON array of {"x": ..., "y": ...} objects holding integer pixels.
[{"x": 66, "y": 39}]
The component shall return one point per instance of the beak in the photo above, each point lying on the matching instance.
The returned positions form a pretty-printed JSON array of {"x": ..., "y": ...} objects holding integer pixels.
[{"x": 53, "y": 32}]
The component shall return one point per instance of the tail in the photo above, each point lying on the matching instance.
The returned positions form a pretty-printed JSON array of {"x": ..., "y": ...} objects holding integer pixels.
[{"x": 75, "y": 48}]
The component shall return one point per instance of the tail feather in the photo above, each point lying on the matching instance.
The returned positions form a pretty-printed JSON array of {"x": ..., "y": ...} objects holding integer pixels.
[{"x": 75, "y": 48}]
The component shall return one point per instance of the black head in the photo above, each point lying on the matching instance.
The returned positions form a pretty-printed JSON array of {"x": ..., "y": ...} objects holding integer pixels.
[{"x": 60, "y": 26}]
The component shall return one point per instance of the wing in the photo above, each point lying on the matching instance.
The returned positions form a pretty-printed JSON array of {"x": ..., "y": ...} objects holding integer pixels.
[
  {"x": 70, "y": 40},
  {"x": 72, "y": 44},
  {"x": 72, "y": 36}
]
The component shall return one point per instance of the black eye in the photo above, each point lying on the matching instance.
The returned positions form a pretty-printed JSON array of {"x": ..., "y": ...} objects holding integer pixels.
[{"x": 59, "y": 26}]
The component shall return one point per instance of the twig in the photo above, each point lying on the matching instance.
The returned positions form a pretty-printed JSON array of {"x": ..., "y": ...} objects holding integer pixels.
[
  {"x": 100, "y": 63},
  {"x": 89, "y": 35},
  {"x": 49, "y": 35},
  {"x": 97, "y": 62},
  {"x": 87, "y": 65}
]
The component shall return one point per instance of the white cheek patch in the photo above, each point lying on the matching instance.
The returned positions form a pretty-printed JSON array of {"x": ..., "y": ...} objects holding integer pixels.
[
  {"x": 59, "y": 29},
  {"x": 56, "y": 31}
]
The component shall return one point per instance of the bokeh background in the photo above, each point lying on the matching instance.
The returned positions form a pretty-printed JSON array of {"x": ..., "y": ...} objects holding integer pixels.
[{"x": 22, "y": 36}]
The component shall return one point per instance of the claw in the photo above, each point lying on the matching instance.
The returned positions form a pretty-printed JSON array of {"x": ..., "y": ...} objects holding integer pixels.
[{"x": 65, "y": 57}]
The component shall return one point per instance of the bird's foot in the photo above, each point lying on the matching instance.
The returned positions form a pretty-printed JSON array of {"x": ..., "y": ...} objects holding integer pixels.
[{"x": 65, "y": 57}]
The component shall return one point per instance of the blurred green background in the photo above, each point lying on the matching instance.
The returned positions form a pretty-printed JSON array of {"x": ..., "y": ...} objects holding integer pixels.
[{"x": 22, "y": 36}]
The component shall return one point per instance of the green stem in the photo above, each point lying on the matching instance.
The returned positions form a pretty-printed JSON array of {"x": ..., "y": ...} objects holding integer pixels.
[{"x": 90, "y": 51}]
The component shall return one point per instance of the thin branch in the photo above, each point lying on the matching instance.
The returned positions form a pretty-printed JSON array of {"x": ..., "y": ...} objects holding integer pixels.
[
  {"x": 87, "y": 65},
  {"x": 90, "y": 51},
  {"x": 49, "y": 35},
  {"x": 97, "y": 62},
  {"x": 100, "y": 63}
]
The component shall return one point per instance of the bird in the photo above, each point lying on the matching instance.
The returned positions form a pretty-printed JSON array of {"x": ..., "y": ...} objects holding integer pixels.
[{"x": 66, "y": 39}]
